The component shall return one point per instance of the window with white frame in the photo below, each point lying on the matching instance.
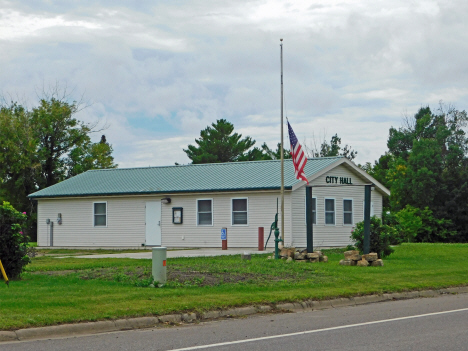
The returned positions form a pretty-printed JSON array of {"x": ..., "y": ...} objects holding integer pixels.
[
  {"x": 329, "y": 211},
  {"x": 239, "y": 211},
  {"x": 100, "y": 214},
  {"x": 347, "y": 211},
  {"x": 205, "y": 212}
]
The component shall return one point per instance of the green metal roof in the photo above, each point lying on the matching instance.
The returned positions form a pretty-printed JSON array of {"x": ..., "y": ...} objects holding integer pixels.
[{"x": 232, "y": 176}]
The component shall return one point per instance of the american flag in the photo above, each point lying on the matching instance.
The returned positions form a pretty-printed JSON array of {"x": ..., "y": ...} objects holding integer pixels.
[{"x": 298, "y": 156}]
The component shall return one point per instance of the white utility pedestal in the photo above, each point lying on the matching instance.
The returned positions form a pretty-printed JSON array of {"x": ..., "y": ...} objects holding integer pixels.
[{"x": 159, "y": 265}]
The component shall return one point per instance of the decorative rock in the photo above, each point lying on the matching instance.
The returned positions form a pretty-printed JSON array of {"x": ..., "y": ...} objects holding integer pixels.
[
  {"x": 290, "y": 259},
  {"x": 287, "y": 252},
  {"x": 269, "y": 257},
  {"x": 301, "y": 256},
  {"x": 313, "y": 255},
  {"x": 296, "y": 255},
  {"x": 355, "y": 257},
  {"x": 324, "y": 259},
  {"x": 347, "y": 263},
  {"x": 303, "y": 251},
  {"x": 362, "y": 263},
  {"x": 314, "y": 260},
  {"x": 378, "y": 262},
  {"x": 371, "y": 257},
  {"x": 350, "y": 253},
  {"x": 319, "y": 253}
]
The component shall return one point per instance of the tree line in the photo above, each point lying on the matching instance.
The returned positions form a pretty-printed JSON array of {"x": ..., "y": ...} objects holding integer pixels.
[
  {"x": 219, "y": 143},
  {"x": 42, "y": 146},
  {"x": 426, "y": 170}
]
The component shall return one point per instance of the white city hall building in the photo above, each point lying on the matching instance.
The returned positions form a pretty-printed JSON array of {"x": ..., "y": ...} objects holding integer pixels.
[{"x": 187, "y": 206}]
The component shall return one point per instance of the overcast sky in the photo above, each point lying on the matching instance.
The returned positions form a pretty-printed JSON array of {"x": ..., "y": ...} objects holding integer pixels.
[{"x": 160, "y": 71}]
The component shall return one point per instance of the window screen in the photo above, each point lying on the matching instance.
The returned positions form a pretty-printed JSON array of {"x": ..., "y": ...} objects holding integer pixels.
[
  {"x": 329, "y": 211},
  {"x": 205, "y": 212},
  {"x": 347, "y": 211},
  {"x": 100, "y": 214},
  {"x": 239, "y": 211}
]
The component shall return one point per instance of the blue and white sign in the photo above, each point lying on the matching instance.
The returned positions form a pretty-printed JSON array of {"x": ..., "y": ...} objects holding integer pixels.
[{"x": 223, "y": 234}]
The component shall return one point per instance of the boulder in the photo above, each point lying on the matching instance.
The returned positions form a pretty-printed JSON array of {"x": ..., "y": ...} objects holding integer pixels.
[
  {"x": 362, "y": 263},
  {"x": 324, "y": 259},
  {"x": 371, "y": 257},
  {"x": 319, "y": 252},
  {"x": 377, "y": 262},
  {"x": 301, "y": 256},
  {"x": 303, "y": 251},
  {"x": 313, "y": 260},
  {"x": 290, "y": 259},
  {"x": 355, "y": 257},
  {"x": 347, "y": 263},
  {"x": 348, "y": 254},
  {"x": 313, "y": 255}
]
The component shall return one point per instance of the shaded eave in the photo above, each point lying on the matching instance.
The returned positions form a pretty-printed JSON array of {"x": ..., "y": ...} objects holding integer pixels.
[{"x": 158, "y": 192}]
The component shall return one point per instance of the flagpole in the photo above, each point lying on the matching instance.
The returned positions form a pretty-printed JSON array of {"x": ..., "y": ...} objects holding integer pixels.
[{"x": 282, "y": 153}]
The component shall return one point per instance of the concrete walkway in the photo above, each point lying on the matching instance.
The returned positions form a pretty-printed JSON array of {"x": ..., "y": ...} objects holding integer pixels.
[{"x": 171, "y": 253}]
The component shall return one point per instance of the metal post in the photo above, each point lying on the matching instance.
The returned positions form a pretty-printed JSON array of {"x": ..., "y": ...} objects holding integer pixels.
[
  {"x": 261, "y": 239},
  {"x": 282, "y": 153},
  {"x": 367, "y": 206},
  {"x": 51, "y": 240},
  {"x": 309, "y": 220},
  {"x": 159, "y": 270}
]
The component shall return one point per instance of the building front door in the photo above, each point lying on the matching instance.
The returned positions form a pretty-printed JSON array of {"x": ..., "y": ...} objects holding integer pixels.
[{"x": 153, "y": 223}]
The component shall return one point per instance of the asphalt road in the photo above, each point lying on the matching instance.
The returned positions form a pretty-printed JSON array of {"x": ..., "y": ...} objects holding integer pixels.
[{"x": 439, "y": 323}]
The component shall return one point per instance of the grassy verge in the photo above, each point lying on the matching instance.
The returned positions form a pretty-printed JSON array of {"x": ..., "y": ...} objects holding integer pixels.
[{"x": 71, "y": 289}]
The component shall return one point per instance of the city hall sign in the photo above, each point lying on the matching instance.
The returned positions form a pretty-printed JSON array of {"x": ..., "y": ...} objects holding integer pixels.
[{"x": 338, "y": 180}]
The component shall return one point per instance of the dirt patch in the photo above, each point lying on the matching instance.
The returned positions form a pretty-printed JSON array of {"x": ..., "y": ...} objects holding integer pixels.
[
  {"x": 175, "y": 277},
  {"x": 55, "y": 273}
]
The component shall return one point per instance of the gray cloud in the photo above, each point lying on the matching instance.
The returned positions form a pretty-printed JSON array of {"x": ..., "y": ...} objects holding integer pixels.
[{"x": 159, "y": 72}]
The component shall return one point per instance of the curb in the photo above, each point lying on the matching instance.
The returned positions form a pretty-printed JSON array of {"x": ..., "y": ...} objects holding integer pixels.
[{"x": 89, "y": 328}]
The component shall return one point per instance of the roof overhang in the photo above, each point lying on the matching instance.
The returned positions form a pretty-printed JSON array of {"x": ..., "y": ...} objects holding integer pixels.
[{"x": 344, "y": 161}]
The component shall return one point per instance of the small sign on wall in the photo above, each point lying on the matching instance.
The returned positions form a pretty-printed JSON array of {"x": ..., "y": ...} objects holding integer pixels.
[
  {"x": 223, "y": 234},
  {"x": 177, "y": 215}
]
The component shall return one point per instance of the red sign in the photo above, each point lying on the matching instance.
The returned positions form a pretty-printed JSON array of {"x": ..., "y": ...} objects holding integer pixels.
[{"x": 164, "y": 263}]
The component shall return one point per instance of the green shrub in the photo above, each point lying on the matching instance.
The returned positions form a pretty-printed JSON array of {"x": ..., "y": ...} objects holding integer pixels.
[
  {"x": 13, "y": 243},
  {"x": 381, "y": 236},
  {"x": 420, "y": 225}
]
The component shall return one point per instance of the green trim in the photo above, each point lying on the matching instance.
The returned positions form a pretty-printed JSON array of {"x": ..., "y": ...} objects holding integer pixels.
[{"x": 160, "y": 192}]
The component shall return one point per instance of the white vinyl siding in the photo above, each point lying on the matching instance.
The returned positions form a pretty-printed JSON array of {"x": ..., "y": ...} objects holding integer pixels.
[
  {"x": 205, "y": 212},
  {"x": 337, "y": 235},
  {"x": 348, "y": 212},
  {"x": 100, "y": 214},
  {"x": 261, "y": 207},
  {"x": 240, "y": 211},
  {"x": 125, "y": 221}
]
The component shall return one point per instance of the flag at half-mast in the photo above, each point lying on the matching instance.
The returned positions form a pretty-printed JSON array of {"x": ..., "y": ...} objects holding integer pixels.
[{"x": 298, "y": 156}]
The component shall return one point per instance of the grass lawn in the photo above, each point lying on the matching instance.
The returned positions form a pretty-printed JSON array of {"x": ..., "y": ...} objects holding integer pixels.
[{"x": 65, "y": 290}]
